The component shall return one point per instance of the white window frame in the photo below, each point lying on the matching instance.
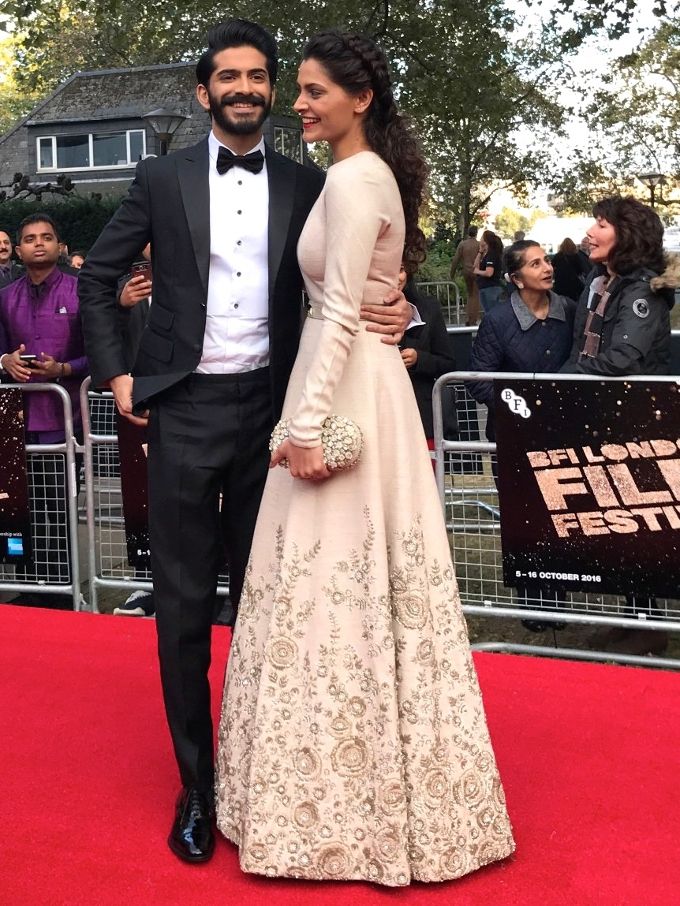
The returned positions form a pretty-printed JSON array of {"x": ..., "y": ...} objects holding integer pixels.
[{"x": 90, "y": 137}]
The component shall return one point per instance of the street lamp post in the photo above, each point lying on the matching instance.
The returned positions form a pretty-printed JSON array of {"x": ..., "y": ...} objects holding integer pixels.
[
  {"x": 164, "y": 124},
  {"x": 651, "y": 180}
]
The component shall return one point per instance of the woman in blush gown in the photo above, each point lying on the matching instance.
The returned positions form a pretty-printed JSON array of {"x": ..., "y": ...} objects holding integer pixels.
[{"x": 353, "y": 742}]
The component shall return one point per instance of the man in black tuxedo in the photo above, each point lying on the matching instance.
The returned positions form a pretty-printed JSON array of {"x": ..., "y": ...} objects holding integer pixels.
[{"x": 223, "y": 219}]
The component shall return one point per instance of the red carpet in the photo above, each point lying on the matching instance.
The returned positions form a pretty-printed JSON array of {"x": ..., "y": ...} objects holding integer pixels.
[{"x": 589, "y": 756}]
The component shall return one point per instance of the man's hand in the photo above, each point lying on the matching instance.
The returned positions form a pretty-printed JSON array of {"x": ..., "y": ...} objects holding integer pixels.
[
  {"x": 134, "y": 291},
  {"x": 409, "y": 357},
  {"x": 391, "y": 318},
  {"x": 121, "y": 386},
  {"x": 13, "y": 365},
  {"x": 303, "y": 462},
  {"x": 47, "y": 368}
]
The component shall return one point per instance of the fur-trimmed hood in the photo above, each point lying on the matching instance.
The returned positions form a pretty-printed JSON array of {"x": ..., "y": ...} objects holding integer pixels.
[{"x": 670, "y": 279}]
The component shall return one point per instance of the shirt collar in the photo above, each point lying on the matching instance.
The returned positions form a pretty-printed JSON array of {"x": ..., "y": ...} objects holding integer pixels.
[
  {"x": 41, "y": 289},
  {"x": 527, "y": 318},
  {"x": 214, "y": 146}
]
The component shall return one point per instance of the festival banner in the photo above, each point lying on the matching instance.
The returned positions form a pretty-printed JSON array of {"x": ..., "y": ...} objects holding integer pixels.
[
  {"x": 589, "y": 485},
  {"x": 132, "y": 449},
  {"x": 15, "y": 512}
]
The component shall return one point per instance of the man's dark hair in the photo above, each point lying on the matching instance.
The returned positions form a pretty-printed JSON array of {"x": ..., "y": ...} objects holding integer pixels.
[
  {"x": 36, "y": 218},
  {"x": 237, "y": 33},
  {"x": 639, "y": 234},
  {"x": 472, "y": 231}
]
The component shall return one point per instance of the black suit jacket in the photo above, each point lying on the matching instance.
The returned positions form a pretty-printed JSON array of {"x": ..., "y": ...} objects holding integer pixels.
[
  {"x": 435, "y": 352},
  {"x": 15, "y": 271},
  {"x": 168, "y": 205}
]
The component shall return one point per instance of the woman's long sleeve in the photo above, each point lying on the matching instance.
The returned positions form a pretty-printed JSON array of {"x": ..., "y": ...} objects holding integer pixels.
[{"x": 354, "y": 214}]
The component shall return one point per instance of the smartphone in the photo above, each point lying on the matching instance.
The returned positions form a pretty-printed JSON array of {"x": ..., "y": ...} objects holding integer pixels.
[
  {"x": 141, "y": 268},
  {"x": 28, "y": 357}
]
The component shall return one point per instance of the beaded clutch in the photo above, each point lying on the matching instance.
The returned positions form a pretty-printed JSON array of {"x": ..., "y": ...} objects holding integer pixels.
[{"x": 341, "y": 440}]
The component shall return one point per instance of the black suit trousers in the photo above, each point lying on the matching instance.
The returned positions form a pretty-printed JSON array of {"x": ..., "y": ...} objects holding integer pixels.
[{"x": 208, "y": 441}]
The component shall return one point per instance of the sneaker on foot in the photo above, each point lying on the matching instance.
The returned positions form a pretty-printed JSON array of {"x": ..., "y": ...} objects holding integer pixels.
[{"x": 139, "y": 604}]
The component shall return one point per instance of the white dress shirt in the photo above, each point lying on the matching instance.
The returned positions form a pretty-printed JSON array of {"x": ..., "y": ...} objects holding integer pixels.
[{"x": 236, "y": 335}]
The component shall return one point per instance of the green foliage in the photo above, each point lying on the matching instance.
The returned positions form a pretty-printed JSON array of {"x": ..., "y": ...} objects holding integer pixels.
[
  {"x": 80, "y": 220},
  {"x": 438, "y": 263},
  {"x": 509, "y": 221},
  {"x": 634, "y": 123},
  {"x": 468, "y": 74},
  {"x": 15, "y": 101},
  {"x": 463, "y": 75},
  {"x": 578, "y": 21}
]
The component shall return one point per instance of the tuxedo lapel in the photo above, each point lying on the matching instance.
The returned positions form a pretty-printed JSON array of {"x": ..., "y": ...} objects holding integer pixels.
[
  {"x": 281, "y": 178},
  {"x": 192, "y": 173}
]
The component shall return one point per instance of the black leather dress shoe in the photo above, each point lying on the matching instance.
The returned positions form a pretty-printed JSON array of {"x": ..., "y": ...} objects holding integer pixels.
[{"x": 192, "y": 838}]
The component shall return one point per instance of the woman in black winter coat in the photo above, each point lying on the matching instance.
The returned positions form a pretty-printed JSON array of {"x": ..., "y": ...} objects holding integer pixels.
[
  {"x": 622, "y": 324},
  {"x": 532, "y": 333},
  {"x": 622, "y": 327}
]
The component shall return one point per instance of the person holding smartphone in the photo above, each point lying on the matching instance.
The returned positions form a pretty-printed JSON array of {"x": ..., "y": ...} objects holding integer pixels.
[
  {"x": 40, "y": 333},
  {"x": 134, "y": 301},
  {"x": 41, "y": 341}
]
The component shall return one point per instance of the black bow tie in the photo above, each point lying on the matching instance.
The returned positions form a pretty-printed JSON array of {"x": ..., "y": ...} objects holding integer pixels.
[{"x": 227, "y": 159}]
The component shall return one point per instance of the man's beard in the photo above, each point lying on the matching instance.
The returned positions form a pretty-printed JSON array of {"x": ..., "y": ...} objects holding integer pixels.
[{"x": 241, "y": 126}]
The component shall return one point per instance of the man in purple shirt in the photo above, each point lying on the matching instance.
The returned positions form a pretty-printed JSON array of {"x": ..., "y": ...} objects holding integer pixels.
[{"x": 39, "y": 317}]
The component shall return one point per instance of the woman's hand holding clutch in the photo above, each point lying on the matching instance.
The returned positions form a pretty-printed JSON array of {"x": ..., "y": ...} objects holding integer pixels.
[{"x": 303, "y": 462}]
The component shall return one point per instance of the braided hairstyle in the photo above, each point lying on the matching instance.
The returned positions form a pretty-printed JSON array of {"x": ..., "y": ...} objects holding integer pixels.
[{"x": 355, "y": 63}]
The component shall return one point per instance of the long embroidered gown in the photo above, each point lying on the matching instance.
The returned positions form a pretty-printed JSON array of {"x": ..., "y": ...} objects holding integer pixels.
[{"x": 352, "y": 741}]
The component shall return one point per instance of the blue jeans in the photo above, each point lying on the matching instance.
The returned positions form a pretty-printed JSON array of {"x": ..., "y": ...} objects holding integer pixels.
[{"x": 491, "y": 296}]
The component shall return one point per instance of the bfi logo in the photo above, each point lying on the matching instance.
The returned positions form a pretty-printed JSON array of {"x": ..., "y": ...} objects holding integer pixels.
[{"x": 515, "y": 403}]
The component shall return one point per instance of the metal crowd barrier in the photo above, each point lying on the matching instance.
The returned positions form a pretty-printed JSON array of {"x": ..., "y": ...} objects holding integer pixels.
[
  {"x": 107, "y": 546},
  {"x": 448, "y": 295},
  {"x": 470, "y": 502},
  {"x": 53, "y": 502}
]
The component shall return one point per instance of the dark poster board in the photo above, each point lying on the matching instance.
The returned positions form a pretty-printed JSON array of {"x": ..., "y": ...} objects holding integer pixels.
[
  {"x": 15, "y": 513},
  {"x": 589, "y": 485},
  {"x": 133, "y": 477}
]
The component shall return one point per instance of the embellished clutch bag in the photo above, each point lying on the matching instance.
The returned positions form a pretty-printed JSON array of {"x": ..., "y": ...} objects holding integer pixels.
[{"x": 341, "y": 440}]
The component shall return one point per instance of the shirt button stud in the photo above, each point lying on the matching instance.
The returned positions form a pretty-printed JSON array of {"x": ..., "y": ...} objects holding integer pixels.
[
  {"x": 238, "y": 242},
  {"x": 235, "y": 304},
  {"x": 238, "y": 212},
  {"x": 238, "y": 273}
]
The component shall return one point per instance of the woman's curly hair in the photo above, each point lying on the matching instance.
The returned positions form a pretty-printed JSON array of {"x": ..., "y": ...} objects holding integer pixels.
[
  {"x": 356, "y": 63},
  {"x": 639, "y": 234}
]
